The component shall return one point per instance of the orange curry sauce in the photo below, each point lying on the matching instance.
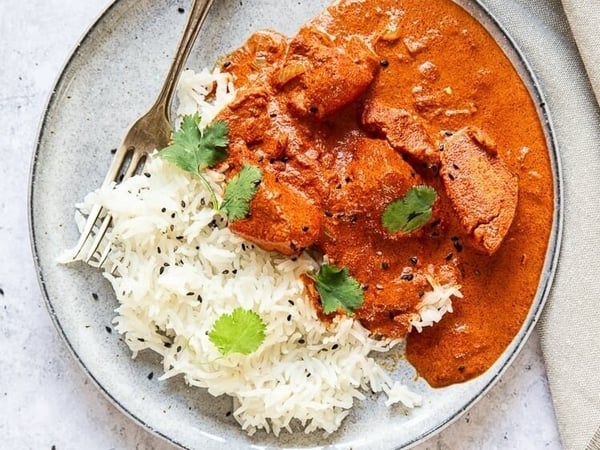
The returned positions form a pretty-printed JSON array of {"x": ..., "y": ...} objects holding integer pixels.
[{"x": 359, "y": 107}]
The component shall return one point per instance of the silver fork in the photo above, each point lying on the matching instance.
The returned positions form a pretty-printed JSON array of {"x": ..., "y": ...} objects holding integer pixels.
[{"x": 150, "y": 132}]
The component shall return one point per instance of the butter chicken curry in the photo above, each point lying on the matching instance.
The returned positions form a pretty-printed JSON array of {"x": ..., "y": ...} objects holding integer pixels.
[{"x": 368, "y": 100}]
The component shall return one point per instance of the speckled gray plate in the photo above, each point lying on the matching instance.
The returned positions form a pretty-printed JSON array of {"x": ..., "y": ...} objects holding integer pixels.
[{"x": 110, "y": 79}]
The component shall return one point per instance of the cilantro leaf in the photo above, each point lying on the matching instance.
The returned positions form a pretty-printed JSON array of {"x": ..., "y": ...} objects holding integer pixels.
[
  {"x": 214, "y": 137},
  {"x": 411, "y": 212},
  {"x": 240, "y": 191},
  {"x": 338, "y": 289},
  {"x": 242, "y": 331},
  {"x": 193, "y": 150}
]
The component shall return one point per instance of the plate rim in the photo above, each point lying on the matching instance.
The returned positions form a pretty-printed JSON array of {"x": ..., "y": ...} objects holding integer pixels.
[{"x": 547, "y": 274}]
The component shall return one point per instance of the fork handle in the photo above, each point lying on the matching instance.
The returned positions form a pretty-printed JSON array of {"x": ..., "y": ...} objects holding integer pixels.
[{"x": 198, "y": 12}]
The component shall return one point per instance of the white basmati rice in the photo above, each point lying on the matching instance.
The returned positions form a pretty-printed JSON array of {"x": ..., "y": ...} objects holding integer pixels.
[{"x": 177, "y": 268}]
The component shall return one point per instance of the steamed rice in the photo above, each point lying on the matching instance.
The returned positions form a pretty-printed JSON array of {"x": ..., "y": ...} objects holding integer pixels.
[{"x": 176, "y": 267}]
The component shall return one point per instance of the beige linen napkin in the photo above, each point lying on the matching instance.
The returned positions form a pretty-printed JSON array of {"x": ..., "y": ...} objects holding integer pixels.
[{"x": 570, "y": 328}]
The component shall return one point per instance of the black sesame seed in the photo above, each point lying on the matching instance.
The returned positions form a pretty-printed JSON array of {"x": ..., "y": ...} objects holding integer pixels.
[
  {"x": 449, "y": 256},
  {"x": 407, "y": 277},
  {"x": 289, "y": 317},
  {"x": 190, "y": 294},
  {"x": 147, "y": 175},
  {"x": 305, "y": 228},
  {"x": 225, "y": 272},
  {"x": 141, "y": 339},
  {"x": 291, "y": 302},
  {"x": 150, "y": 375},
  {"x": 234, "y": 271},
  {"x": 228, "y": 413},
  {"x": 178, "y": 349},
  {"x": 161, "y": 270},
  {"x": 448, "y": 133},
  {"x": 243, "y": 246},
  {"x": 414, "y": 259},
  {"x": 347, "y": 179},
  {"x": 294, "y": 258},
  {"x": 328, "y": 213},
  {"x": 451, "y": 177},
  {"x": 384, "y": 63},
  {"x": 301, "y": 341},
  {"x": 273, "y": 115},
  {"x": 385, "y": 265},
  {"x": 441, "y": 148},
  {"x": 461, "y": 369},
  {"x": 168, "y": 344},
  {"x": 365, "y": 287},
  {"x": 285, "y": 159},
  {"x": 226, "y": 64},
  {"x": 458, "y": 246},
  {"x": 173, "y": 215},
  {"x": 94, "y": 295},
  {"x": 179, "y": 238},
  {"x": 199, "y": 298},
  {"x": 308, "y": 375},
  {"x": 182, "y": 204},
  {"x": 113, "y": 151},
  {"x": 334, "y": 346},
  {"x": 455, "y": 166},
  {"x": 313, "y": 110},
  {"x": 108, "y": 329},
  {"x": 180, "y": 10}
]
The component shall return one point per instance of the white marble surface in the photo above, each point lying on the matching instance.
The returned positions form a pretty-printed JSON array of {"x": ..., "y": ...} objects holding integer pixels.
[{"x": 46, "y": 401}]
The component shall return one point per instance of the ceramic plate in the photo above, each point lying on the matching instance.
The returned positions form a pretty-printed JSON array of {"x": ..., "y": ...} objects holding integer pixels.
[{"x": 111, "y": 78}]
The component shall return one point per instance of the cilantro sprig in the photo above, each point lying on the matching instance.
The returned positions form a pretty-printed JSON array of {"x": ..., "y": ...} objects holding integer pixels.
[
  {"x": 240, "y": 191},
  {"x": 193, "y": 150},
  {"x": 338, "y": 289},
  {"x": 242, "y": 331},
  {"x": 411, "y": 212}
]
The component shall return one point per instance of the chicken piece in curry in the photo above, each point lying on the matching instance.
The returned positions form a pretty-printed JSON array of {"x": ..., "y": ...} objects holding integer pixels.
[{"x": 368, "y": 100}]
